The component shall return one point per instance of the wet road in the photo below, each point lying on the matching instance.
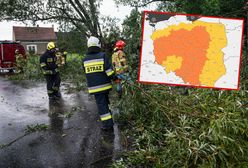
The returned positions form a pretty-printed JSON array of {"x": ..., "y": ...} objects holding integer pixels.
[{"x": 73, "y": 138}]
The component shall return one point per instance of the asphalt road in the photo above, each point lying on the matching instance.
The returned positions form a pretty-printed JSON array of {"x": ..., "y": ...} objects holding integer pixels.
[{"x": 70, "y": 134}]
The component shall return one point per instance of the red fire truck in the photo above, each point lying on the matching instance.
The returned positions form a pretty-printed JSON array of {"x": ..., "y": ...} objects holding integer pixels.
[{"x": 7, "y": 54}]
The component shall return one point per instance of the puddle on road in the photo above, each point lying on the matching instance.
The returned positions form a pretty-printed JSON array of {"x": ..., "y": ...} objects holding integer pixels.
[
  {"x": 27, "y": 104},
  {"x": 20, "y": 107}
]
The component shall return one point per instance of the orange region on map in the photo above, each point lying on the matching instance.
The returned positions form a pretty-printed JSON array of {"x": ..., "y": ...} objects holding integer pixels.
[{"x": 192, "y": 51}]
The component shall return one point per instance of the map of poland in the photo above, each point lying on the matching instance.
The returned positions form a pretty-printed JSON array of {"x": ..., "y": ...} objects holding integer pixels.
[
  {"x": 189, "y": 51},
  {"x": 176, "y": 49}
]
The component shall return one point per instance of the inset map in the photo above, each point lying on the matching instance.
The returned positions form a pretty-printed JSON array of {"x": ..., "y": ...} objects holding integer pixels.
[{"x": 191, "y": 50}]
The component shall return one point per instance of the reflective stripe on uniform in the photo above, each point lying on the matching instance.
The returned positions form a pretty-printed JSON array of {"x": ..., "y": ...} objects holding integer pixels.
[
  {"x": 99, "y": 88},
  {"x": 55, "y": 88},
  {"x": 109, "y": 72},
  {"x": 49, "y": 59},
  {"x": 43, "y": 65},
  {"x": 118, "y": 69},
  {"x": 50, "y": 91},
  {"x": 50, "y": 72},
  {"x": 47, "y": 72},
  {"x": 105, "y": 117},
  {"x": 94, "y": 62}
]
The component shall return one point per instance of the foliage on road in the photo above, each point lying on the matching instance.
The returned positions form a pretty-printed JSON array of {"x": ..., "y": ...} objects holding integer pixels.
[
  {"x": 2, "y": 146},
  {"x": 184, "y": 127},
  {"x": 35, "y": 128},
  {"x": 28, "y": 130},
  {"x": 205, "y": 128}
]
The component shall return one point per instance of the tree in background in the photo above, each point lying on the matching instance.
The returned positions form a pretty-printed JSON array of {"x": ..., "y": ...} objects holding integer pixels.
[
  {"x": 72, "y": 41},
  {"x": 131, "y": 33},
  {"x": 231, "y": 8},
  {"x": 80, "y": 18},
  {"x": 111, "y": 32},
  {"x": 83, "y": 15}
]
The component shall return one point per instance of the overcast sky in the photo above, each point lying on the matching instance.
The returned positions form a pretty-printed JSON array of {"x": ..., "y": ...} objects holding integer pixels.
[{"x": 108, "y": 8}]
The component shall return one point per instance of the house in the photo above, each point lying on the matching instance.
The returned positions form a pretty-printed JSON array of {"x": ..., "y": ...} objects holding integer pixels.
[{"x": 34, "y": 39}]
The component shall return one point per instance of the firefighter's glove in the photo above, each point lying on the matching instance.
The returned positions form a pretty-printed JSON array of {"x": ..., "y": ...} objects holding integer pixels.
[{"x": 114, "y": 78}]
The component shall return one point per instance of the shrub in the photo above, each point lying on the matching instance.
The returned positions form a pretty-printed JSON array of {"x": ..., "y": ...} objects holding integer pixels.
[{"x": 185, "y": 127}]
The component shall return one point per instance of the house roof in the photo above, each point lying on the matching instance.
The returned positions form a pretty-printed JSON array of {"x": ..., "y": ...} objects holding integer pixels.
[{"x": 34, "y": 33}]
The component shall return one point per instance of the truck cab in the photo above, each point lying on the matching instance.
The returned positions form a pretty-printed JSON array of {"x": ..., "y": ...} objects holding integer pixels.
[{"x": 7, "y": 54}]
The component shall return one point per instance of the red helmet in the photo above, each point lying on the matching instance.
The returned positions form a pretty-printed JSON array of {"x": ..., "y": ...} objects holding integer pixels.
[{"x": 120, "y": 44}]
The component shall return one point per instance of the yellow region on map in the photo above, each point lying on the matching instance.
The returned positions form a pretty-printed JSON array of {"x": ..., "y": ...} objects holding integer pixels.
[
  {"x": 172, "y": 63},
  {"x": 192, "y": 51}
]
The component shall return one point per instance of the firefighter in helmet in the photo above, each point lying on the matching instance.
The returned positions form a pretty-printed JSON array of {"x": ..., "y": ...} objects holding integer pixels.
[
  {"x": 60, "y": 61},
  {"x": 61, "y": 57},
  {"x": 119, "y": 63},
  {"x": 50, "y": 70},
  {"x": 99, "y": 72},
  {"x": 20, "y": 61}
]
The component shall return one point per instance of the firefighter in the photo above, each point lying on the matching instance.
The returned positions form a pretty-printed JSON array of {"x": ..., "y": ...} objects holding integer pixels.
[
  {"x": 20, "y": 61},
  {"x": 119, "y": 63},
  {"x": 98, "y": 71},
  {"x": 50, "y": 70},
  {"x": 59, "y": 56}
]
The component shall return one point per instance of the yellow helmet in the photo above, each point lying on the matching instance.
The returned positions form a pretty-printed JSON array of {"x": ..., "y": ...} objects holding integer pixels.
[{"x": 51, "y": 45}]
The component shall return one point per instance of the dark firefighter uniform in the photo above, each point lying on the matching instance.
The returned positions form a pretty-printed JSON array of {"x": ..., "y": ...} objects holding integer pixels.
[
  {"x": 50, "y": 71},
  {"x": 99, "y": 72}
]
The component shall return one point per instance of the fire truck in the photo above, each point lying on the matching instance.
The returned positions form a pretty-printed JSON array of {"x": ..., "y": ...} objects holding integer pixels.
[{"x": 7, "y": 54}]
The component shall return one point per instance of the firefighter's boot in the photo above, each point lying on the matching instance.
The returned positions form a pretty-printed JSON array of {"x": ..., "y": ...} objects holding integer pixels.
[{"x": 57, "y": 94}]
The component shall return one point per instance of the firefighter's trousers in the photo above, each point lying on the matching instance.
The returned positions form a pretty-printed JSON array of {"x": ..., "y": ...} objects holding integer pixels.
[
  {"x": 53, "y": 84},
  {"x": 102, "y": 101},
  {"x": 121, "y": 77}
]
